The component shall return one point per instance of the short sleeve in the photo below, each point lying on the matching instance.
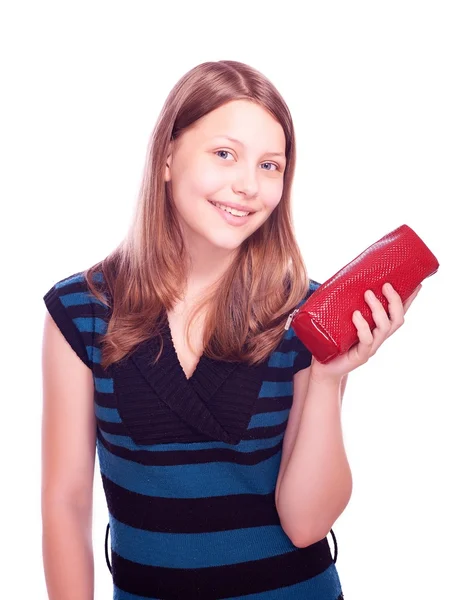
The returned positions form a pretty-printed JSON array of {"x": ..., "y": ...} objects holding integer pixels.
[
  {"x": 303, "y": 356},
  {"x": 69, "y": 304}
]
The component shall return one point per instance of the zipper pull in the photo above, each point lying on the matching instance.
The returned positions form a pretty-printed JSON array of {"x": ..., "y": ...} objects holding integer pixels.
[{"x": 290, "y": 318}]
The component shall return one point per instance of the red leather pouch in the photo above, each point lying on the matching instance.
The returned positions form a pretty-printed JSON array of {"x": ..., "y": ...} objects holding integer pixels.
[{"x": 324, "y": 322}]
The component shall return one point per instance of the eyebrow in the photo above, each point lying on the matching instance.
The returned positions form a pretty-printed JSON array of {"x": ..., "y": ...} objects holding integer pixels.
[{"x": 231, "y": 139}]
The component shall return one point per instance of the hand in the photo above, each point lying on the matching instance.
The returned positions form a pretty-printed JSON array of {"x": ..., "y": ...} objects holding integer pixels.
[{"x": 369, "y": 341}]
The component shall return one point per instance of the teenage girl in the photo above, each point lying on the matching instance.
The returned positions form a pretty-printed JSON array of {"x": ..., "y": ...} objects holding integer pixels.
[{"x": 218, "y": 434}]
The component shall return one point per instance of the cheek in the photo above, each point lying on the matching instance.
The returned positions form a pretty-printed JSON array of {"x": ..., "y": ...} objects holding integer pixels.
[
  {"x": 201, "y": 180},
  {"x": 271, "y": 194}
]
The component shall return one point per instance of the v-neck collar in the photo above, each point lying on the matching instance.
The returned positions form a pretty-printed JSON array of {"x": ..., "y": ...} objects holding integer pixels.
[
  {"x": 217, "y": 401},
  {"x": 172, "y": 349}
]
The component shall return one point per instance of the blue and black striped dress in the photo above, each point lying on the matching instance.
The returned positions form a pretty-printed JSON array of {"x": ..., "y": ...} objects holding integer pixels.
[{"x": 189, "y": 467}]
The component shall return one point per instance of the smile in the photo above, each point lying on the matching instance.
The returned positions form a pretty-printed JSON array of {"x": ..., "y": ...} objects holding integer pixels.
[
  {"x": 231, "y": 216},
  {"x": 233, "y": 211}
]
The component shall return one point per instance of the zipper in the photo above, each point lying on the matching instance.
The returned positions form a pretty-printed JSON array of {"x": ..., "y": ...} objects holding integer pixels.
[{"x": 290, "y": 318}]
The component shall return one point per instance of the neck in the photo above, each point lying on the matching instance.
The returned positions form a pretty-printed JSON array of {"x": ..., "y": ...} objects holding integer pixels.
[{"x": 205, "y": 269}]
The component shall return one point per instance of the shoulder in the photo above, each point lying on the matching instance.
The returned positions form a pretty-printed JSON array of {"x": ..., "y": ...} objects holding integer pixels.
[
  {"x": 75, "y": 283},
  {"x": 72, "y": 295},
  {"x": 302, "y": 356},
  {"x": 313, "y": 285},
  {"x": 79, "y": 315}
]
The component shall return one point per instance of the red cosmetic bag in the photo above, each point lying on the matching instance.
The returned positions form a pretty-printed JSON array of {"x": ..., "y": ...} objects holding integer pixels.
[{"x": 324, "y": 322}]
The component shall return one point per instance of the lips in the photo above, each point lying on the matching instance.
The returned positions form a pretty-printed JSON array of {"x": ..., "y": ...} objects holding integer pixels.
[
  {"x": 235, "y": 206},
  {"x": 233, "y": 220}
]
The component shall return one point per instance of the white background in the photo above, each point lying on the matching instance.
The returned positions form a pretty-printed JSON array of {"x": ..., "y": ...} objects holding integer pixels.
[{"x": 369, "y": 88}]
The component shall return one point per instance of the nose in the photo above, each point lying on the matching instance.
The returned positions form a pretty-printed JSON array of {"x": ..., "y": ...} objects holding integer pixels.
[{"x": 246, "y": 183}]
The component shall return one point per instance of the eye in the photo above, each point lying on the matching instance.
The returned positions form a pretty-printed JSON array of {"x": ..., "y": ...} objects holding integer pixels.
[
  {"x": 224, "y": 151},
  {"x": 265, "y": 163},
  {"x": 269, "y": 163}
]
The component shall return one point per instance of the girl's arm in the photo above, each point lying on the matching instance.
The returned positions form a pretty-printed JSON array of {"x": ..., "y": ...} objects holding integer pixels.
[
  {"x": 68, "y": 456},
  {"x": 315, "y": 482},
  {"x": 316, "y": 485}
]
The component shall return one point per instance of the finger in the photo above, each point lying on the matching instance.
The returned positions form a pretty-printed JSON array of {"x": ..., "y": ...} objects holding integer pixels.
[
  {"x": 379, "y": 315},
  {"x": 363, "y": 348},
  {"x": 395, "y": 306}
]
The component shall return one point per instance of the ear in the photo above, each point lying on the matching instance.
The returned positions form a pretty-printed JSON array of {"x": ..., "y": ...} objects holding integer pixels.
[{"x": 169, "y": 161}]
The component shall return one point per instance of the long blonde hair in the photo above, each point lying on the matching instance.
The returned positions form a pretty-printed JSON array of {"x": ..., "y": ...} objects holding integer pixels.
[{"x": 246, "y": 310}]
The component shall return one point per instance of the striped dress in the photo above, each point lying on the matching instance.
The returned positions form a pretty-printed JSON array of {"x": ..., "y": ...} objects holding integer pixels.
[{"x": 189, "y": 466}]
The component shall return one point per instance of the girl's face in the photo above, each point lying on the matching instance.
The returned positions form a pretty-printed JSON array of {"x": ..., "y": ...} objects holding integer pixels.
[{"x": 206, "y": 166}]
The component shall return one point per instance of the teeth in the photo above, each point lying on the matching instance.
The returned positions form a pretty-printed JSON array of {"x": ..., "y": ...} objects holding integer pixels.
[{"x": 233, "y": 211}]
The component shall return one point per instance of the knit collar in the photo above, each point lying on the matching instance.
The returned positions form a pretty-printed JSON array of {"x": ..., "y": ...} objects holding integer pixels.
[{"x": 158, "y": 402}]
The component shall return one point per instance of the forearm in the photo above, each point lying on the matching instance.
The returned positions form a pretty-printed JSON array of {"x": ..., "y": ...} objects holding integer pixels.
[
  {"x": 67, "y": 552},
  {"x": 316, "y": 485}
]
